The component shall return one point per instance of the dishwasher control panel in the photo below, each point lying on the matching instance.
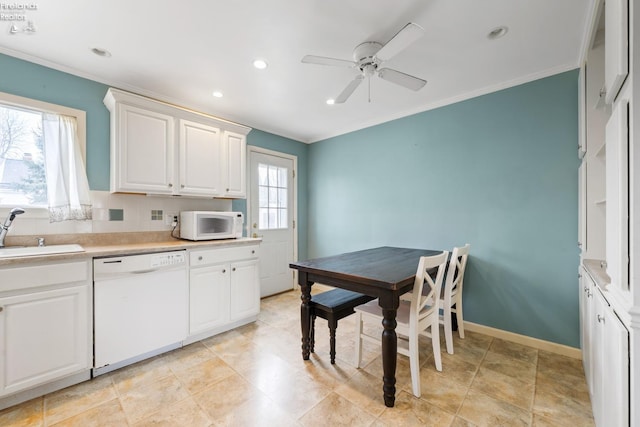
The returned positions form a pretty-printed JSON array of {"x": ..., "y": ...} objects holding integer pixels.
[
  {"x": 114, "y": 267},
  {"x": 168, "y": 259}
]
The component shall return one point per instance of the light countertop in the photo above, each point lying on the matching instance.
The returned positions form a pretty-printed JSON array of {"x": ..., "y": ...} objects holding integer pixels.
[{"x": 115, "y": 244}]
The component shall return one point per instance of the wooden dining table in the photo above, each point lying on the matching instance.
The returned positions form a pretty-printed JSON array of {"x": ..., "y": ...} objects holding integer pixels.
[{"x": 384, "y": 273}]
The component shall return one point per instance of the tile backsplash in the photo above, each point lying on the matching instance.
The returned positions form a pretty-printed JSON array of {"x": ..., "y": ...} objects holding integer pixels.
[{"x": 139, "y": 213}]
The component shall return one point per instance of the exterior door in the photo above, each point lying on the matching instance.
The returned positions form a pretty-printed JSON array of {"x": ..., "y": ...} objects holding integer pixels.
[{"x": 271, "y": 216}]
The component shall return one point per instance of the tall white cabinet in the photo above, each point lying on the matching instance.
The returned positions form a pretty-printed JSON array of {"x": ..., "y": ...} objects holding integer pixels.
[
  {"x": 609, "y": 196},
  {"x": 158, "y": 148}
]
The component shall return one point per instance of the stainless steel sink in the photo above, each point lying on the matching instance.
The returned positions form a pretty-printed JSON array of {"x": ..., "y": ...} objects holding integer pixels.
[{"x": 24, "y": 251}]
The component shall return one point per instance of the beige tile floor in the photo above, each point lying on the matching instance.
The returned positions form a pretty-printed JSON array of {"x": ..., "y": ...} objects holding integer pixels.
[{"x": 255, "y": 376}]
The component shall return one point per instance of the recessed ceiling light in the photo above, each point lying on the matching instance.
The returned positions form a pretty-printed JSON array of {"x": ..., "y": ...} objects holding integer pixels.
[
  {"x": 497, "y": 32},
  {"x": 217, "y": 94},
  {"x": 331, "y": 101},
  {"x": 260, "y": 64},
  {"x": 101, "y": 52}
]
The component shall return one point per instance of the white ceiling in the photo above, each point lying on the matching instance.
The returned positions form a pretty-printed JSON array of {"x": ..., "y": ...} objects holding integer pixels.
[{"x": 181, "y": 52}]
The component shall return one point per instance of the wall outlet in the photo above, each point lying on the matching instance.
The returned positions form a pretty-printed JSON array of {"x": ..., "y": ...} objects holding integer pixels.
[{"x": 171, "y": 218}]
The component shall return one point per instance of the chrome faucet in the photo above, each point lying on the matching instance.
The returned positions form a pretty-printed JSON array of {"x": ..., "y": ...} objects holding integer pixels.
[{"x": 7, "y": 223}]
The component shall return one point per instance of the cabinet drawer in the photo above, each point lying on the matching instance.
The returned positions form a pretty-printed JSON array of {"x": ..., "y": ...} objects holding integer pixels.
[
  {"x": 33, "y": 276},
  {"x": 204, "y": 257}
]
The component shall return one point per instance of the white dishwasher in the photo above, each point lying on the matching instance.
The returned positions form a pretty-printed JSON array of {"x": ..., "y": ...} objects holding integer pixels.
[{"x": 140, "y": 307}]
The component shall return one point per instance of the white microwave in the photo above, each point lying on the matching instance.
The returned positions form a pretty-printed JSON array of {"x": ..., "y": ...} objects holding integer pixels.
[{"x": 210, "y": 225}]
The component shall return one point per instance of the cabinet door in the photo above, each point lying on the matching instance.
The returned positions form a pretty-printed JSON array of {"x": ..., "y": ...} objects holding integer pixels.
[
  {"x": 586, "y": 312},
  {"x": 208, "y": 298},
  {"x": 582, "y": 207},
  {"x": 617, "y": 186},
  {"x": 615, "y": 395},
  {"x": 245, "y": 289},
  {"x": 598, "y": 361},
  {"x": 143, "y": 151},
  {"x": 200, "y": 165},
  {"x": 235, "y": 165},
  {"x": 43, "y": 336},
  {"x": 616, "y": 46}
]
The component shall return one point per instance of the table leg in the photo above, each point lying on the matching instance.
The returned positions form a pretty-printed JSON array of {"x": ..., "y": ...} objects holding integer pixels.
[
  {"x": 305, "y": 316},
  {"x": 389, "y": 354}
]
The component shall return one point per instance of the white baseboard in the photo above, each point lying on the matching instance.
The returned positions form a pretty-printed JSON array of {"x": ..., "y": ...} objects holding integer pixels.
[{"x": 549, "y": 346}]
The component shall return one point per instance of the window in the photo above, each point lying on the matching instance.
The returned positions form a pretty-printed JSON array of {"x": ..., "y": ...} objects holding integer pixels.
[
  {"x": 272, "y": 197},
  {"x": 22, "y": 155}
]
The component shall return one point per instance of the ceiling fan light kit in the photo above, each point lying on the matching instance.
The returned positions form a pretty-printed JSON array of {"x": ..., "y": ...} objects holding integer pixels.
[{"x": 367, "y": 58}]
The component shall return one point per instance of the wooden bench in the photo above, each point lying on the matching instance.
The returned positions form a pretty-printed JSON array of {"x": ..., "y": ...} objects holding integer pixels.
[{"x": 333, "y": 305}]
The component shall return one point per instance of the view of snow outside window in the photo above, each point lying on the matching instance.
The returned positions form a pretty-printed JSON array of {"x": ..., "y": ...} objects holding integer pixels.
[{"x": 22, "y": 173}]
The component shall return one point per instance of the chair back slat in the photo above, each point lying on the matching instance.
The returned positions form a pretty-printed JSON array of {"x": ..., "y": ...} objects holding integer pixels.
[
  {"x": 455, "y": 272},
  {"x": 427, "y": 295}
]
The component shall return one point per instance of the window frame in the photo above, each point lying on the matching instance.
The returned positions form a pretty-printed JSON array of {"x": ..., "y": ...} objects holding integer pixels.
[{"x": 46, "y": 107}]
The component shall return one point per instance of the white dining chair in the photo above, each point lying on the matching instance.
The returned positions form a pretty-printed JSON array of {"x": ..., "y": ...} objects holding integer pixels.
[
  {"x": 452, "y": 294},
  {"x": 416, "y": 314}
]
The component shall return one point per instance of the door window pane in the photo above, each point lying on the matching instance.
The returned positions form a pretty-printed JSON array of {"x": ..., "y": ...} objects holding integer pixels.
[{"x": 272, "y": 197}]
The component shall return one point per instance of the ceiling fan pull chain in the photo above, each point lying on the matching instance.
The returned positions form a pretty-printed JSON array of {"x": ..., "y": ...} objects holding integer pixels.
[{"x": 369, "y": 79}]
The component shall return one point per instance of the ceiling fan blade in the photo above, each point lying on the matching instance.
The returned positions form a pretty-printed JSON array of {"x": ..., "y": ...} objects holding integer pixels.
[
  {"x": 321, "y": 60},
  {"x": 402, "y": 79},
  {"x": 346, "y": 93},
  {"x": 410, "y": 33}
]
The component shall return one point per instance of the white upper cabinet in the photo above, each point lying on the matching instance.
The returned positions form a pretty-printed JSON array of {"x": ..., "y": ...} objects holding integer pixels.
[
  {"x": 616, "y": 46},
  {"x": 617, "y": 184},
  {"x": 142, "y": 159},
  {"x": 200, "y": 159},
  {"x": 158, "y": 148},
  {"x": 235, "y": 153}
]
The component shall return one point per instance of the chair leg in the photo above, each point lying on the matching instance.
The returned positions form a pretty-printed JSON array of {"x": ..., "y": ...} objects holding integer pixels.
[
  {"x": 414, "y": 362},
  {"x": 448, "y": 334},
  {"x": 435, "y": 342},
  {"x": 333, "y": 325},
  {"x": 358, "y": 353},
  {"x": 312, "y": 333},
  {"x": 459, "y": 318}
]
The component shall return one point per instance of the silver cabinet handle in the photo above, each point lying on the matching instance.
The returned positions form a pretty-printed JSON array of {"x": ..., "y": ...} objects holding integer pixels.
[
  {"x": 224, "y": 271},
  {"x": 600, "y": 319},
  {"x": 170, "y": 185},
  {"x": 253, "y": 252},
  {"x": 233, "y": 269},
  {"x": 200, "y": 258}
]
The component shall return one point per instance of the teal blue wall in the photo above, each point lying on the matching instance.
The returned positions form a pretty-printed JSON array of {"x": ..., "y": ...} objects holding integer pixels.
[
  {"x": 45, "y": 84},
  {"x": 498, "y": 171}
]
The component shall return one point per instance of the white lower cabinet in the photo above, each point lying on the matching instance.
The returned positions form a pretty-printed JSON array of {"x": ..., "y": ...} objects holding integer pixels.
[
  {"x": 208, "y": 298},
  {"x": 245, "y": 289},
  {"x": 224, "y": 289},
  {"x": 45, "y": 324},
  {"x": 605, "y": 345}
]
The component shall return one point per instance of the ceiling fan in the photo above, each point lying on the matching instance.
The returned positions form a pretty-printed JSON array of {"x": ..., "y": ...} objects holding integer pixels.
[{"x": 368, "y": 57}]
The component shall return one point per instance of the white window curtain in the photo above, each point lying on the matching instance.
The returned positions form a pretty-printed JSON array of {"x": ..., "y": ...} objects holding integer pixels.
[{"x": 67, "y": 184}]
